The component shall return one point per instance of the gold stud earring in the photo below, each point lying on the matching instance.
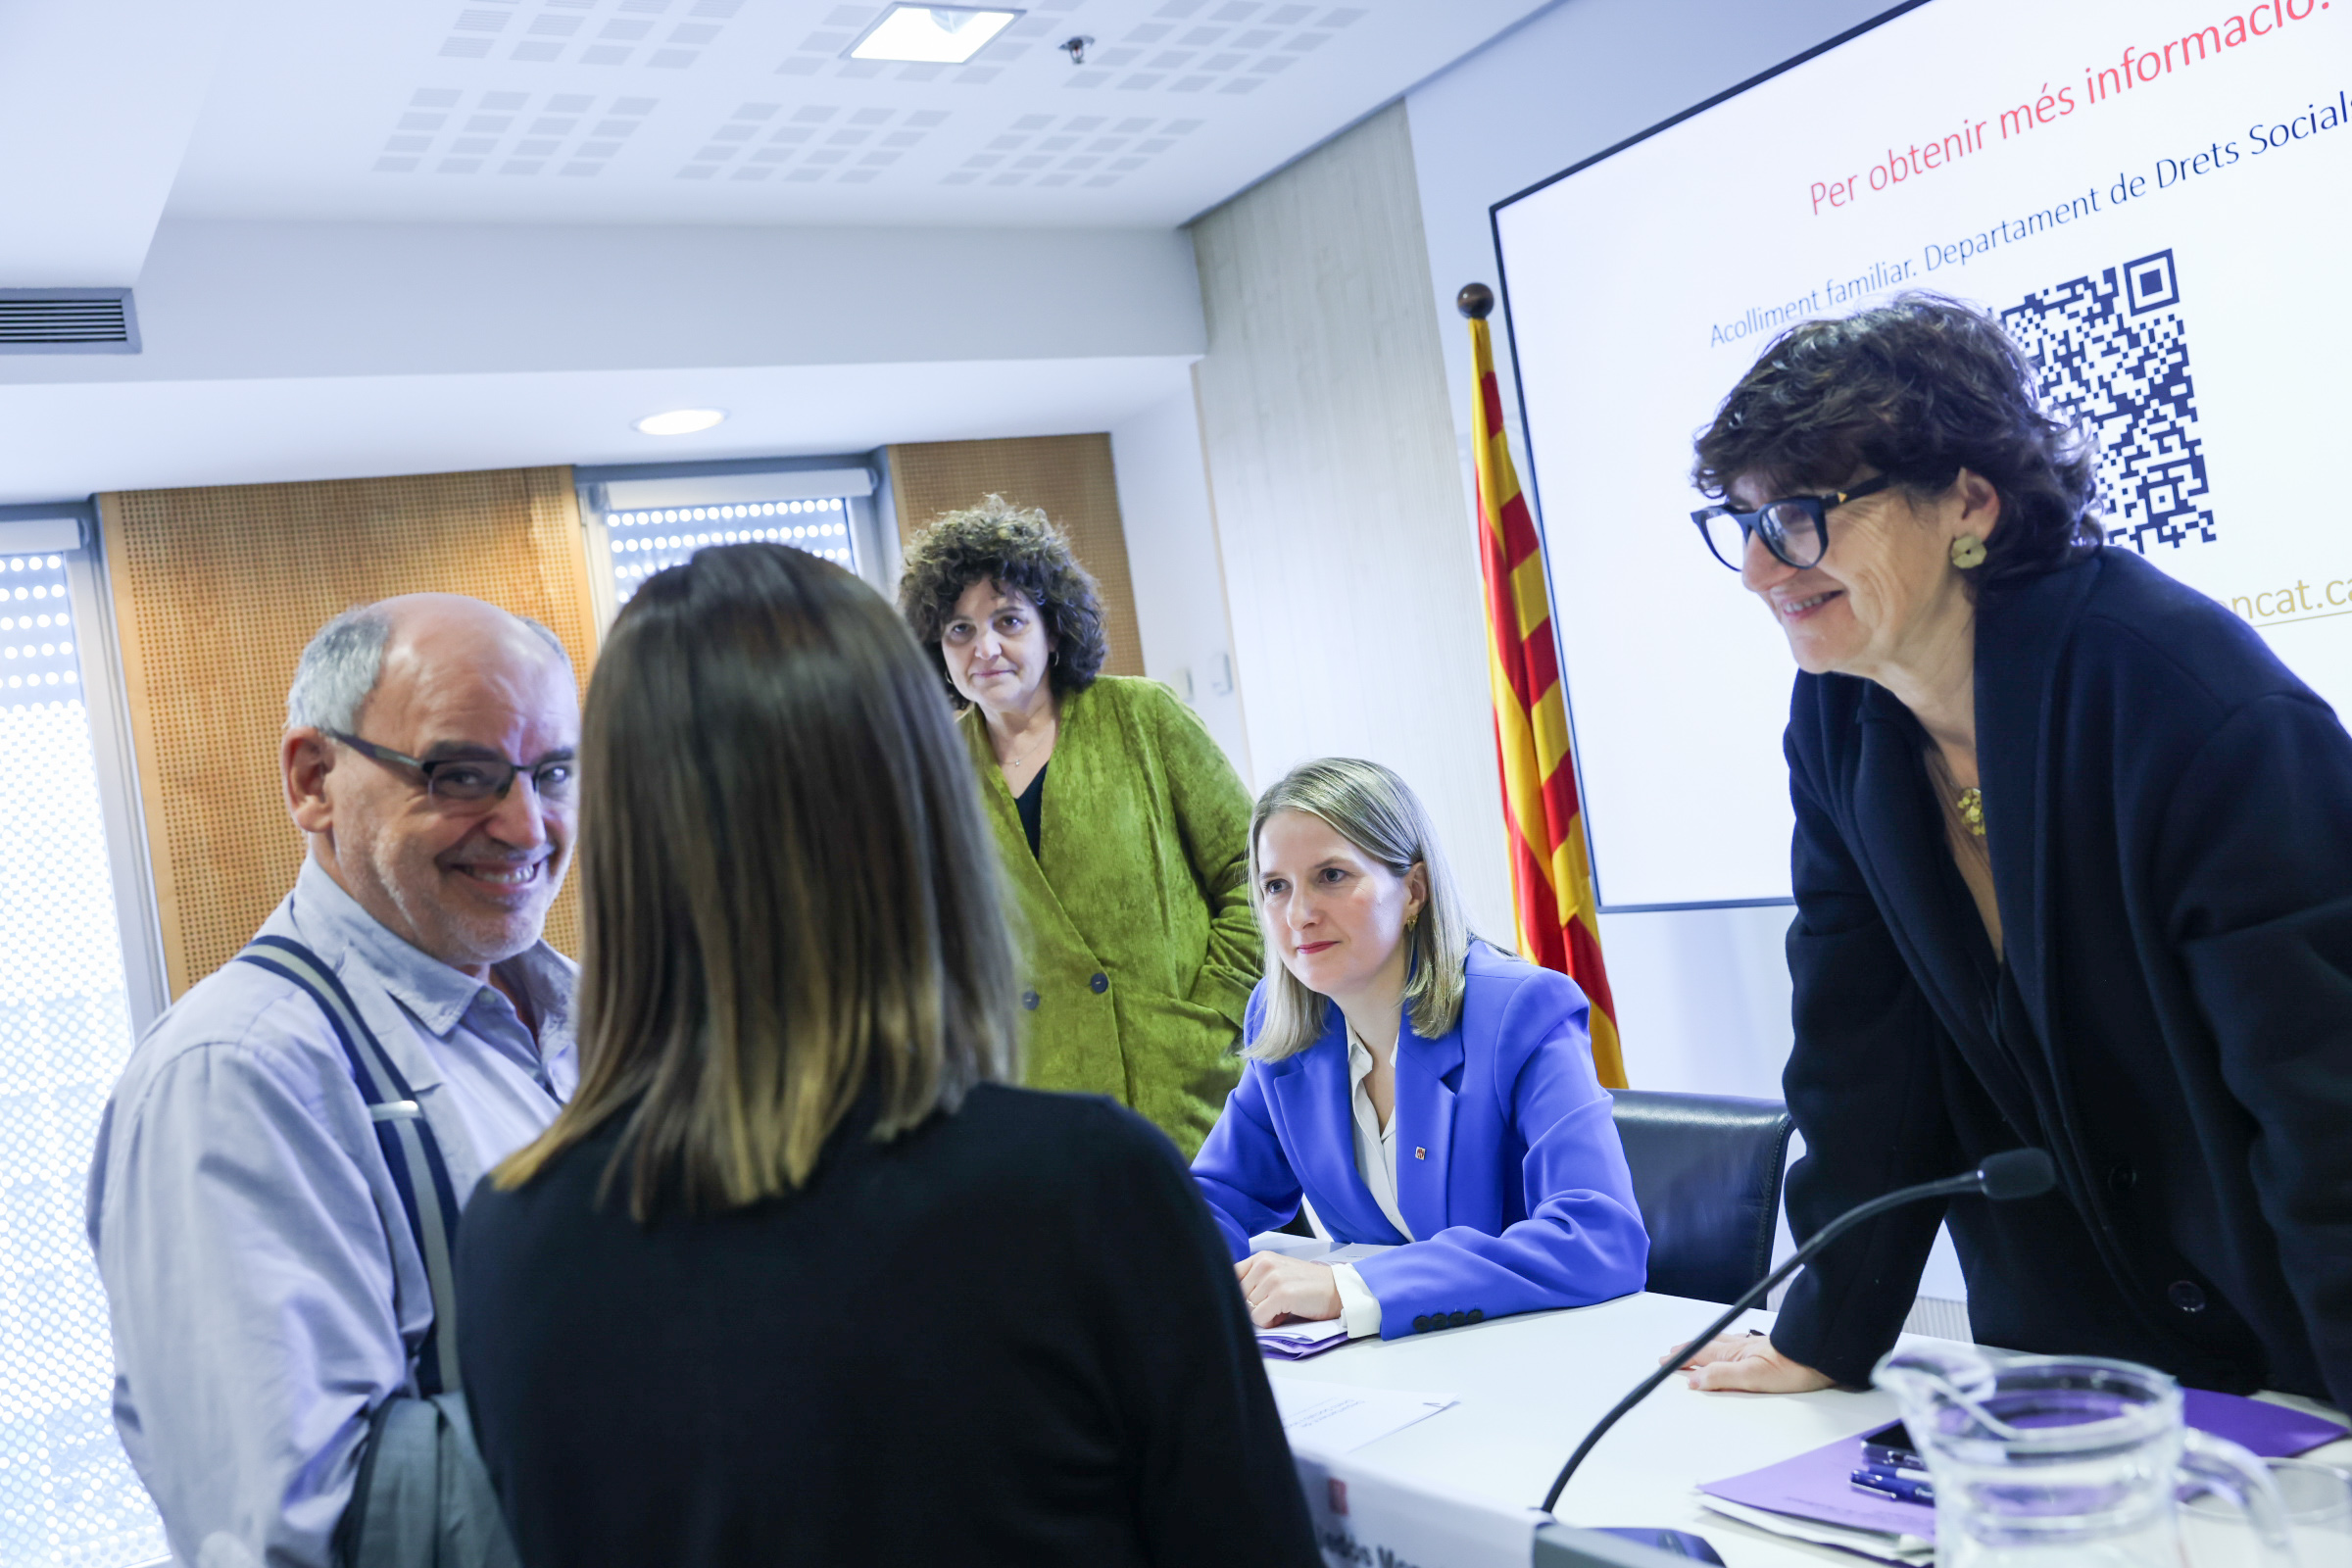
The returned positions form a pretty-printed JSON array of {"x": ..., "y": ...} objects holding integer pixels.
[{"x": 1968, "y": 551}]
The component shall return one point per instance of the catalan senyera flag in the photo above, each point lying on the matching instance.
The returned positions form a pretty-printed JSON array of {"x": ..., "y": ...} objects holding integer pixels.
[{"x": 1552, "y": 875}]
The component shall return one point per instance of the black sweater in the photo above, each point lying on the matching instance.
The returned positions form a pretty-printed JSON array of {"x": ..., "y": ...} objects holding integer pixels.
[
  {"x": 2169, "y": 813},
  {"x": 1013, "y": 1336}
]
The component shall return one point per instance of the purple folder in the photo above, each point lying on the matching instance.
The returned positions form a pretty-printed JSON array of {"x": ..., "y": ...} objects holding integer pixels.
[
  {"x": 2266, "y": 1431},
  {"x": 1296, "y": 1340},
  {"x": 1274, "y": 1351},
  {"x": 1817, "y": 1485}
]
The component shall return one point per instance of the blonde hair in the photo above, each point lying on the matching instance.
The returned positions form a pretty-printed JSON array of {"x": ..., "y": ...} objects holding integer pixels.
[{"x": 1375, "y": 811}]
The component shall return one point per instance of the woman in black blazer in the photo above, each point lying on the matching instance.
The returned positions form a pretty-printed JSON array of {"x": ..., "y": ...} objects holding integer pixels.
[
  {"x": 795, "y": 1278},
  {"x": 2073, "y": 869}
]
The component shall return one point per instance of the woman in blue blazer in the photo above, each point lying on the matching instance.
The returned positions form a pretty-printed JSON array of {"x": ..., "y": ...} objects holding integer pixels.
[{"x": 1419, "y": 1089}]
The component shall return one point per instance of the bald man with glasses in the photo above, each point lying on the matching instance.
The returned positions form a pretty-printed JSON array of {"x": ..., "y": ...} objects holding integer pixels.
[{"x": 279, "y": 1173}]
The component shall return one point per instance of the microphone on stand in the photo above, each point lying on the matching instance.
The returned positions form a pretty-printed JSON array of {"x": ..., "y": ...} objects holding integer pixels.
[{"x": 2011, "y": 1175}]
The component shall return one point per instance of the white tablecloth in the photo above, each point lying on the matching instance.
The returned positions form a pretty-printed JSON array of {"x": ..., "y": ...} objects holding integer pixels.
[{"x": 1531, "y": 1386}]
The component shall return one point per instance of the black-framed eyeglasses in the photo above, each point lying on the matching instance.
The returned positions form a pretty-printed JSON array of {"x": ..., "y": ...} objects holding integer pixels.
[
  {"x": 1795, "y": 529},
  {"x": 474, "y": 780}
]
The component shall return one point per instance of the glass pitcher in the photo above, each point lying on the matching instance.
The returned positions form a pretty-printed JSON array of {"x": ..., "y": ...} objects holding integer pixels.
[{"x": 2040, "y": 1460}]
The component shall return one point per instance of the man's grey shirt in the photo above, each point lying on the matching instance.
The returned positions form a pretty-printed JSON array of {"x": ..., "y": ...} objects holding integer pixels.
[{"x": 266, "y": 1290}]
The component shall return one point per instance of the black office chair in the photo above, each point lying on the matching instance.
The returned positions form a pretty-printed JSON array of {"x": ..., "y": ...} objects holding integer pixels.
[{"x": 1707, "y": 1176}]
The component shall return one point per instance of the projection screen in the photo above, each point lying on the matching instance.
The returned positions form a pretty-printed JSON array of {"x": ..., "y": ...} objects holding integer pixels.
[{"x": 2156, "y": 195}]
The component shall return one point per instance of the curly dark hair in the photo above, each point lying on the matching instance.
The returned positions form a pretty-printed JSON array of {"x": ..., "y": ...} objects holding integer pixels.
[
  {"x": 1013, "y": 547},
  {"x": 1917, "y": 389}
]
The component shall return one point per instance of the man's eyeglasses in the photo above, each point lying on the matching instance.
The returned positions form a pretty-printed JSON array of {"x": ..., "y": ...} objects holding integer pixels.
[
  {"x": 473, "y": 781},
  {"x": 1795, "y": 529}
]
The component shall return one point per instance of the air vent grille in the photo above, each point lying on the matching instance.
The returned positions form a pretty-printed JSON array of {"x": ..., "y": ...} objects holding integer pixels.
[{"x": 68, "y": 321}]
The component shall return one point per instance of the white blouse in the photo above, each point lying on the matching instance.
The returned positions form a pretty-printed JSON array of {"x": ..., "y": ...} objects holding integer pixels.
[{"x": 1376, "y": 1164}]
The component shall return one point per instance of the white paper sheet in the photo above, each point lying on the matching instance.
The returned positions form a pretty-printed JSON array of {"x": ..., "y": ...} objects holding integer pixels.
[
  {"x": 1314, "y": 1248},
  {"x": 1335, "y": 1418},
  {"x": 1354, "y": 1253},
  {"x": 1906, "y": 1551}
]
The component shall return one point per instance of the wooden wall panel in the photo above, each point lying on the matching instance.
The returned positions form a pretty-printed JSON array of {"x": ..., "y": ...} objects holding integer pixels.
[
  {"x": 216, "y": 593},
  {"x": 1067, "y": 477}
]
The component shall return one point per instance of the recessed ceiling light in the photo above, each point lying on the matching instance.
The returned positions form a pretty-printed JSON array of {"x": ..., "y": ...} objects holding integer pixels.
[
  {"x": 946, "y": 35},
  {"x": 678, "y": 421}
]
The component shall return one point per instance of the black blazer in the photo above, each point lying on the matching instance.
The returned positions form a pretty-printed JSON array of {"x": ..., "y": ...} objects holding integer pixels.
[
  {"x": 2169, "y": 813},
  {"x": 1010, "y": 1336}
]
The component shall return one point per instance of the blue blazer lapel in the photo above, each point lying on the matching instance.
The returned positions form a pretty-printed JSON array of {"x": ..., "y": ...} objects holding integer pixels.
[
  {"x": 1318, "y": 1131},
  {"x": 1426, "y": 1070}
]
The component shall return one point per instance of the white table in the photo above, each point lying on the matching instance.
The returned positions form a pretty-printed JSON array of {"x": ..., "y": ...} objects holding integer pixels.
[{"x": 1531, "y": 1386}]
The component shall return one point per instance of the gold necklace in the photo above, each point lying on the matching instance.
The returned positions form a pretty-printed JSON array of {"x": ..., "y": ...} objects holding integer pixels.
[
  {"x": 1011, "y": 763},
  {"x": 1972, "y": 810}
]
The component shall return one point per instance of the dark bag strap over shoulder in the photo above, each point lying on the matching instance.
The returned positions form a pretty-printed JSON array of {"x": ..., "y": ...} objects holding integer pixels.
[
  {"x": 423, "y": 1497},
  {"x": 411, "y": 1150}
]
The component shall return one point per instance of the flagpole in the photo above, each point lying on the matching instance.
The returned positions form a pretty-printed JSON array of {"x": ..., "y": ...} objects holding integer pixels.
[{"x": 1554, "y": 901}]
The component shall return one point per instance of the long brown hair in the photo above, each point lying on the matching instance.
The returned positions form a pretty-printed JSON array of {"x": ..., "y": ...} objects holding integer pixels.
[{"x": 788, "y": 893}]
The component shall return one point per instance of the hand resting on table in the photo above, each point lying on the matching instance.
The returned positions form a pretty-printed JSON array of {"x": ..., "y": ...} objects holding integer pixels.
[
  {"x": 1280, "y": 1289},
  {"x": 1745, "y": 1364}
]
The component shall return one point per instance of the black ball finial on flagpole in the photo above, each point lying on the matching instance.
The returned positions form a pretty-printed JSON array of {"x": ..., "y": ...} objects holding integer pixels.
[{"x": 1475, "y": 301}]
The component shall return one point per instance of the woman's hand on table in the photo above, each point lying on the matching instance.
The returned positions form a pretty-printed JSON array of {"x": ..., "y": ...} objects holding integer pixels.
[
  {"x": 1746, "y": 1363},
  {"x": 1279, "y": 1288}
]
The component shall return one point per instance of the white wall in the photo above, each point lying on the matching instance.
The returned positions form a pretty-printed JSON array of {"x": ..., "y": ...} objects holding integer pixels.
[
  {"x": 283, "y": 351},
  {"x": 226, "y": 299},
  {"x": 1172, "y": 558},
  {"x": 1351, "y": 557},
  {"x": 1703, "y": 997},
  {"x": 141, "y": 435}
]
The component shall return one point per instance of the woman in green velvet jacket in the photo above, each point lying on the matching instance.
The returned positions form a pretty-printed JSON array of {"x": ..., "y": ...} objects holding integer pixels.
[{"x": 1130, "y": 867}]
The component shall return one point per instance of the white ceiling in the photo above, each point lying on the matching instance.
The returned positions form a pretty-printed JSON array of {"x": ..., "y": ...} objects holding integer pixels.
[
  {"x": 747, "y": 111},
  {"x": 391, "y": 236},
  {"x": 98, "y": 99}
]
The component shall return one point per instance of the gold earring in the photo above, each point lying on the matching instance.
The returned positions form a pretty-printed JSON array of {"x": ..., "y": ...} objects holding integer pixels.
[{"x": 1968, "y": 551}]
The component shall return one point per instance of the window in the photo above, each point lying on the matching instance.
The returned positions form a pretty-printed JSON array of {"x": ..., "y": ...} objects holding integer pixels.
[
  {"x": 648, "y": 539},
  {"x": 68, "y": 1494}
]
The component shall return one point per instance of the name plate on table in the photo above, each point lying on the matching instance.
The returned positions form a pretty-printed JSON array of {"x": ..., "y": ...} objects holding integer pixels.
[{"x": 1368, "y": 1518}]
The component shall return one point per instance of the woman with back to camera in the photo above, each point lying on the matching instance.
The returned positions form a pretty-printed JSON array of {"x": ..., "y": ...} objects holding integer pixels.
[
  {"x": 1421, "y": 1089},
  {"x": 1126, "y": 866},
  {"x": 2073, "y": 869},
  {"x": 795, "y": 1278}
]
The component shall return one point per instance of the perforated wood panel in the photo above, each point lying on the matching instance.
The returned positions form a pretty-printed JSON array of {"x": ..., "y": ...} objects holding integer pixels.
[
  {"x": 1067, "y": 477},
  {"x": 216, "y": 593}
]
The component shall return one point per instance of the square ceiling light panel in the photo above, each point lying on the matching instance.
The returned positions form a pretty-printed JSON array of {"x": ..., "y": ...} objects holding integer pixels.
[{"x": 932, "y": 34}]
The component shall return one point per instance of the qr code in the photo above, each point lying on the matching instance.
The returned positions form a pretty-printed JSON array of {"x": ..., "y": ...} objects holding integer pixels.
[{"x": 2114, "y": 354}]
